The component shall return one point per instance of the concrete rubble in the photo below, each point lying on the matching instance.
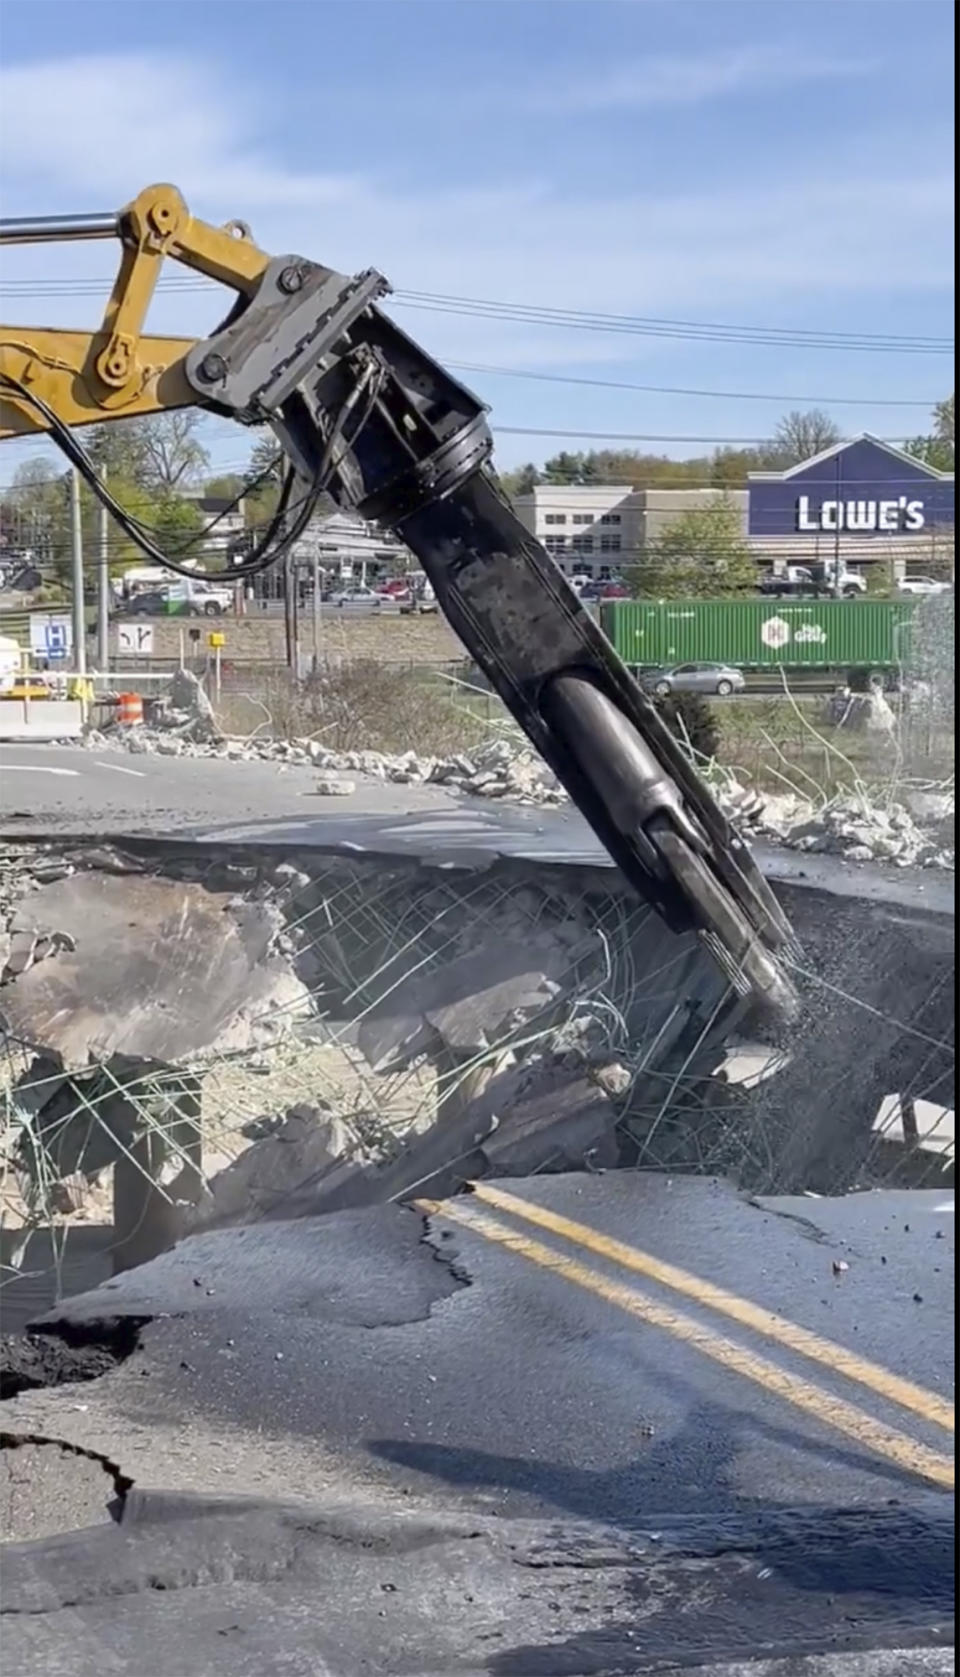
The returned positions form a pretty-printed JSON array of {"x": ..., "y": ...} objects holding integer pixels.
[
  {"x": 123, "y": 982},
  {"x": 542, "y": 1116},
  {"x": 434, "y": 1028},
  {"x": 134, "y": 969},
  {"x": 113, "y": 979},
  {"x": 914, "y": 832}
]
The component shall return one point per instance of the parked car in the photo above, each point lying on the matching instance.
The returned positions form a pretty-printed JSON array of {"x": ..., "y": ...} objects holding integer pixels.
[
  {"x": 357, "y": 599},
  {"x": 609, "y": 590},
  {"x": 395, "y": 587},
  {"x": 718, "y": 679},
  {"x": 177, "y": 600},
  {"x": 20, "y": 577},
  {"x": 922, "y": 586},
  {"x": 152, "y": 602}
]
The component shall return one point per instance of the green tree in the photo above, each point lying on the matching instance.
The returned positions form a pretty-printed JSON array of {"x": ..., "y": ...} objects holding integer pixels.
[
  {"x": 38, "y": 503},
  {"x": 938, "y": 449},
  {"x": 171, "y": 523},
  {"x": 521, "y": 480},
  {"x": 225, "y": 488},
  {"x": 702, "y": 554},
  {"x": 564, "y": 468},
  {"x": 731, "y": 467},
  {"x": 265, "y": 473},
  {"x": 267, "y": 459}
]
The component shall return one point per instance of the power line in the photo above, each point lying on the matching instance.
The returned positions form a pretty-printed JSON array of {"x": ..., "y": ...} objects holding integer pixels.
[
  {"x": 221, "y": 469},
  {"x": 681, "y": 390},
  {"x": 641, "y": 437},
  {"x": 572, "y": 319},
  {"x": 584, "y": 320}
]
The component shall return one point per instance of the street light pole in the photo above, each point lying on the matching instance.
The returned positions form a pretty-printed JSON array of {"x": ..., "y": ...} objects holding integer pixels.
[
  {"x": 76, "y": 544},
  {"x": 103, "y": 588}
]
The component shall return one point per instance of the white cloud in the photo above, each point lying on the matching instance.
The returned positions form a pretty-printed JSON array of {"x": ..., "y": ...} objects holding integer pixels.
[
  {"x": 675, "y": 79},
  {"x": 749, "y": 252}
]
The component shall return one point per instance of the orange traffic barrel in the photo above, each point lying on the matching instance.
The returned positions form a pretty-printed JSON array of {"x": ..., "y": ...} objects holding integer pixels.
[{"x": 129, "y": 709}]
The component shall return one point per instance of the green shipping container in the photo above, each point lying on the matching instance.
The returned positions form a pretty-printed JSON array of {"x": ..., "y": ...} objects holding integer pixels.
[{"x": 760, "y": 634}]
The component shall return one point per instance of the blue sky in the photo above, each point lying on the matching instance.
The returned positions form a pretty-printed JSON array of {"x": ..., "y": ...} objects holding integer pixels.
[{"x": 768, "y": 164}]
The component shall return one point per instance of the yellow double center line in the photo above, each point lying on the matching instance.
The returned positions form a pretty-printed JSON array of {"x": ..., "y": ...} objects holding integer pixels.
[{"x": 826, "y": 1407}]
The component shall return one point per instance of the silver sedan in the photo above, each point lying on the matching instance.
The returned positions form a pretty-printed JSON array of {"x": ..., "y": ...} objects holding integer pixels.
[{"x": 718, "y": 679}]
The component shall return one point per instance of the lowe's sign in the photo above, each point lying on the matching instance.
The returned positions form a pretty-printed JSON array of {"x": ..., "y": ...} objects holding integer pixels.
[
  {"x": 862, "y": 488},
  {"x": 900, "y": 514}
]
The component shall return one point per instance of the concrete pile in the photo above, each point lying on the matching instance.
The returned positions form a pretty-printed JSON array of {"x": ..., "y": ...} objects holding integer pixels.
[
  {"x": 917, "y": 833},
  {"x": 862, "y": 831},
  {"x": 182, "y": 723},
  {"x": 185, "y": 727}
]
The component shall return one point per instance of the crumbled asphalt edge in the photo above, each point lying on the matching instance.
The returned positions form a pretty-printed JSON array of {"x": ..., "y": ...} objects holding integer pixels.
[
  {"x": 66, "y": 1354},
  {"x": 122, "y": 1483},
  {"x": 448, "y": 1255}
]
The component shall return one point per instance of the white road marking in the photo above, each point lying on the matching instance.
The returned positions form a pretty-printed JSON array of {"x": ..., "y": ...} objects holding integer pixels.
[
  {"x": 138, "y": 774},
  {"x": 38, "y": 768}
]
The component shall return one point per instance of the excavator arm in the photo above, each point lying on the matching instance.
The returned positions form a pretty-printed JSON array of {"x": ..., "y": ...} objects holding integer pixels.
[{"x": 365, "y": 415}]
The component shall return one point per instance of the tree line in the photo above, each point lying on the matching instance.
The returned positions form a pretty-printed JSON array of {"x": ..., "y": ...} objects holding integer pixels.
[{"x": 797, "y": 437}]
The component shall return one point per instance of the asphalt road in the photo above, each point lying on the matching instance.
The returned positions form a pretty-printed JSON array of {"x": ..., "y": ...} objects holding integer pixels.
[
  {"x": 597, "y": 1463},
  {"x": 47, "y": 789}
]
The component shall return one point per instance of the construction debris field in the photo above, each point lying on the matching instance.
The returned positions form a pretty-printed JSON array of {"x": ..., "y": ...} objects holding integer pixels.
[
  {"x": 673, "y": 1384},
  {"x": 357, "y": 1025}
]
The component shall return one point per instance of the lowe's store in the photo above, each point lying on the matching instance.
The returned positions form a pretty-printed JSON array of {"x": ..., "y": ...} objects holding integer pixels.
[{"x": 858, "y": 503}]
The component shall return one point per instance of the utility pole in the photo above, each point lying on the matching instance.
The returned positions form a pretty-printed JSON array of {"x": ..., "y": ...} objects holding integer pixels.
[
  {"x": 837, "y": 590},
  {"x": 295, "y": 573},
  {"x": 76, "y": 542},
  {"x": 103, "y": 588},
  {"x": 316, "y": 614},
  {"x": 290, "y": 611}
]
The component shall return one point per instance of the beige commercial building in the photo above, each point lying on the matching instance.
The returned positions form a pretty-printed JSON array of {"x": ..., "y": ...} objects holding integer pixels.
[
  {"x": 586, "y": 528},
  {"x": 599, "y": 530}
]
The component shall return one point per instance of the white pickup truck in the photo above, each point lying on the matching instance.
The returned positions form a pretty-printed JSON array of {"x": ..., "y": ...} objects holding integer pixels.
[
  {"x": 198, "y": 598},
  {"x": 813, "y": 580}
]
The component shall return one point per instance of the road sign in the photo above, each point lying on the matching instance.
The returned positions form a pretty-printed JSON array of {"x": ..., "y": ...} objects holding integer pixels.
[
  {"x": 216, "y": 639},
  {"x": 51, "y": 635},
  {"x": 135, "y": 639}
]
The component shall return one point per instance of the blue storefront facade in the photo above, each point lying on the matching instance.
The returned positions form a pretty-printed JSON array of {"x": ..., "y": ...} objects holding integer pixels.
[{"x": 864, "y": 495}]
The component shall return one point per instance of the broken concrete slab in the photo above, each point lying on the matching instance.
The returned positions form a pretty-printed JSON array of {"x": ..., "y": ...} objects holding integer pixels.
[
  {"x": 542, "y": 1116},
  {"x": 159, "y": 969},
  {"x": 298, "y": 1158},
  {"x": 464, "y": 1004},
  {"x": 546, "y": 1117}
]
